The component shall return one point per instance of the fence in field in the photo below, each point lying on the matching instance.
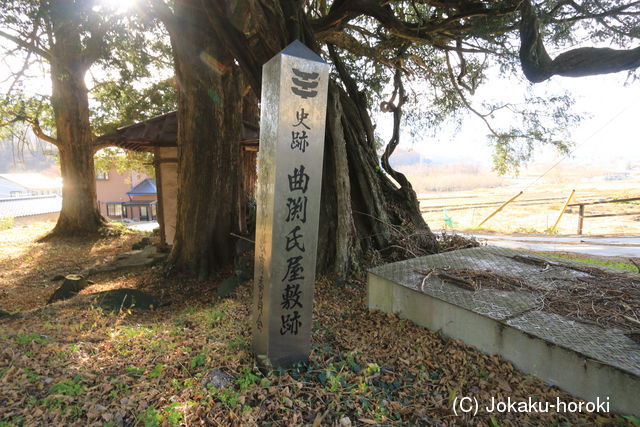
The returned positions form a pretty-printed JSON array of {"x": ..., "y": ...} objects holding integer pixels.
[
  {"x": 582, "y": 216},
  {"x": 501, "y": 204}
]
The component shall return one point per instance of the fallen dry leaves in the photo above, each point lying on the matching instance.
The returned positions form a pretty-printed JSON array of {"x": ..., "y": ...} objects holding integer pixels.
[
  {"x": 27, "y": 266},
  {"x": 76, "y": 365}
]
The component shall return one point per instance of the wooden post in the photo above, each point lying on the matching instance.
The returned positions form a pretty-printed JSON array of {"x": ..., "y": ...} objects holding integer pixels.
[
  {"x": 580, "y": 219},
  {"x": 500, "y": 208},
  {"x": 563, "y": 209},
  {"x": 159, "y": 199}
]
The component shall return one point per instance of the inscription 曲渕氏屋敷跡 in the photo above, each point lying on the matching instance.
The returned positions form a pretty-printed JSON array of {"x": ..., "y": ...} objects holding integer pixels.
[{"x": 292, "y": 124}]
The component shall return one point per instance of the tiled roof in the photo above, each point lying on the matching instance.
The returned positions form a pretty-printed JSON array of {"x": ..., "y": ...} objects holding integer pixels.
[
  {"x": 146, "y": 187},
  {"x": 33, "y": 181},
  {"x": 160, "y": 131},
  {"x": 140, "y": 202},
  {"x": 33, "y": 205}
]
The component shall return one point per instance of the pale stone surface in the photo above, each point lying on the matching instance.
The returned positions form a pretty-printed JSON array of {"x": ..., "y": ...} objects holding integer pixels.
[
  {"x": 294, "y": 101},
  {"x": 586, "y": 360}
]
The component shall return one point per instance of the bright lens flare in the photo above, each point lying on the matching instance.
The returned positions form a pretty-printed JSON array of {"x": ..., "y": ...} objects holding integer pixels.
[
  {"x": 117, "y": 6},
  {"x": 212, "y": 63}
]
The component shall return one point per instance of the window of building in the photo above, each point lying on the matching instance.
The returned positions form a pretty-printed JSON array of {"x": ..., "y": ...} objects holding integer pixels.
[
  {"x": 102, "y": 176},
  {"x": 154, "y": 211},
  {"x": 15, "y": 193},
  {"x": 144, "y": 213},
  {"x": 114, "y": 209}
]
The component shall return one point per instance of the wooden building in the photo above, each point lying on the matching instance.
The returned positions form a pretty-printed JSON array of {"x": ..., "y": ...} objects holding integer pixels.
[{"x": 158, "y": 135}]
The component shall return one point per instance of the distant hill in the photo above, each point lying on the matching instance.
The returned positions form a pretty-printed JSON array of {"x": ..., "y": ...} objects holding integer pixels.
[
  {"x": 28, "y": 160},
  {"x": 404, "y": 157}
]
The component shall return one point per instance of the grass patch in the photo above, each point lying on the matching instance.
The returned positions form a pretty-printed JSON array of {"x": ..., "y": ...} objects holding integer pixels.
[
  {"x": 620, "y": 265},
  {"x": 68, "y": 387},
  {"x": 26, "y": 339},
  {"x": 6, "y": 223}
]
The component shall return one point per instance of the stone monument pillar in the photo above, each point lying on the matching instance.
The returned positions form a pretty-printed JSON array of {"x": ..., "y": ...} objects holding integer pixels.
[{"x": 292, "y": 123}]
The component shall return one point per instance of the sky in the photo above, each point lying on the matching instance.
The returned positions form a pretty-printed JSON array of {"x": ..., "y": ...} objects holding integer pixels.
[{"x": 608, "y": 133}]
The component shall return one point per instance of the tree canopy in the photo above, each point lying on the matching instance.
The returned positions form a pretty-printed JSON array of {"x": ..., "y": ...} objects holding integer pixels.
[
  {"x": 423, "y": 57},
  {"x": 445, "y": 50},
  {"x": 65, "y": 40}
]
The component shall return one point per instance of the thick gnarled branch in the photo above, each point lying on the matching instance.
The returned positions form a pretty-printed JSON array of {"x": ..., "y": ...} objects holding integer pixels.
[
  {"x": 538, "y": 66},
  {"x": 37, "y": 130},
  {"x": 433, "y": 30}
]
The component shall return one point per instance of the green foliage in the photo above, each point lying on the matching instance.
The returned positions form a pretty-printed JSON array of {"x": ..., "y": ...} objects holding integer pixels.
[
  {"x": 213, "y": 317},
  {"x": 136, "y": 331},
  {"x": 442, "y": 82},
  {"x": 123, "y": 160},
  {"x": 198, "y": 360},
  {"x": 135, "y": 371},
  {"x": 156, "y": 372},
  {"x": 128, "y": 58},
  {"x": 246, "y": 379},
  {"x": 632, "y": 420},
  {"x": 122, "y": 104},
  {"x": 12, "y": 422},
  {"x": 32, "y": 377},
  {"x": 24, "y": 107},
  {"x": 239, "y": 342},
  {"x": 372, "y": 368},
  {"x": 228, "y": 397},
  {"x": 150, "y": 418},
  {"x": 172, "y": 415},
  {"x": 121, "y": 389},
  {"x": 18, "y": 112}
]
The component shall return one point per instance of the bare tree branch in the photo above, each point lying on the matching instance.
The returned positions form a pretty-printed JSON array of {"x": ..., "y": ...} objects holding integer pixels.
[
  {"x": 17, "y": 76},
  {"x": 27, "y": 45},
  {"x": 396, "y": 109},
  {"x": 452, "y": 79}
]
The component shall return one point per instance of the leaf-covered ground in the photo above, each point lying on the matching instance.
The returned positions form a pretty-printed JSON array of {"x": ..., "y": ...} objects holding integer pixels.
[
  {"x": 27, "y": 265},
  {"x": 73, "y": 364}
]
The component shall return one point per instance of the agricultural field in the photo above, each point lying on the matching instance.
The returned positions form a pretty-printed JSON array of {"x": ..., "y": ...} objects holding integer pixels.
[{"x": 538, "y": 207}]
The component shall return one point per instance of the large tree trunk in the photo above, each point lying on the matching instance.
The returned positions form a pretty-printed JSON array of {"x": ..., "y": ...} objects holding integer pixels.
[
  {"x": 79, "y": 214},
  {"x": 209, "y": 130},
  {"x": 363, "y": 212}
]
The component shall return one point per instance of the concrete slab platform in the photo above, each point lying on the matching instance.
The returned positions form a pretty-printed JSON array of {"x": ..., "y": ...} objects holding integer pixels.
[
  {"x": 131, "y": 259},
  {"x": 586, "y": 360}
]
